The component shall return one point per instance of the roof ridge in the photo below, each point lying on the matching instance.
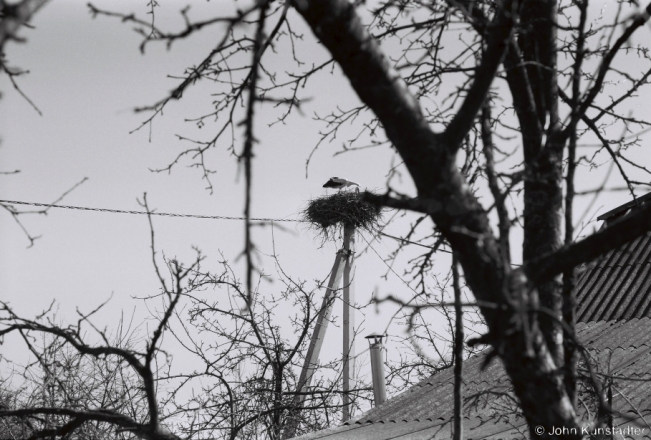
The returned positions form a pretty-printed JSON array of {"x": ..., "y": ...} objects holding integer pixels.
[{"x": 630, "y": 204}]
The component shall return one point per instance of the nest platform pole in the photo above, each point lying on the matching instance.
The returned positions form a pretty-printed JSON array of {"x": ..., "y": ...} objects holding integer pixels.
[
  {"x": 318, "y": 334},
  {"x": 328, "y": 215},
  {"x": 349, "y": 320}
]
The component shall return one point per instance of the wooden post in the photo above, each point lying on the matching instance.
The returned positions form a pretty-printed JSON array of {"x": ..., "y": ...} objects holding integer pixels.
[
  {"x": 458, "y": 352},
  {"x": 349, "y": 320},
  {"x": 318, "y": 334}
]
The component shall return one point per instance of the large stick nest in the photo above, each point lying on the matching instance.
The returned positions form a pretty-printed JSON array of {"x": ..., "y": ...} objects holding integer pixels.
[{"x": 345, "y": 208}]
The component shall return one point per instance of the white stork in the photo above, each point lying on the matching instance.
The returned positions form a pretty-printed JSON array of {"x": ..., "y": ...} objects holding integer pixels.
[{"x": 339, "y": 183}]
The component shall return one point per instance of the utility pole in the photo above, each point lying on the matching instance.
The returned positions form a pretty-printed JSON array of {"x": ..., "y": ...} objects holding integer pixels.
[
  {"x": 349, "y": 320},
  {"x": 340, "y": 268},
  {"x": 344, "y": 212}
]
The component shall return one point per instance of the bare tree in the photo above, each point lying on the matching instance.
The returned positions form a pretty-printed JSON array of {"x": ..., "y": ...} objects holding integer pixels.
[
  {"x": 436, "y": 103},
  {"x": 245, "y": 352},
  {"x": 13, "y": 17},
  {"x": 554, "y": 70},
  {"x": 67, "y": 393},
  {"x": 60, "y": 377},
  {"x": 249, "y": 351}
]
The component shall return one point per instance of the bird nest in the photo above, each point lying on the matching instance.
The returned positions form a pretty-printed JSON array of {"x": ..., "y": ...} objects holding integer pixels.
[{"x": 344, "y": 209}]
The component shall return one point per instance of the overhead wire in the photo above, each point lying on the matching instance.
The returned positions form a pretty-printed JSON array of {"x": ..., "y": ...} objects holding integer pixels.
[
  {"x": 221, "y": 217},
  {"x": 209, "y": 217},
  {"x": 165, "y": 214},
  {"x": 217, "y": 217}
]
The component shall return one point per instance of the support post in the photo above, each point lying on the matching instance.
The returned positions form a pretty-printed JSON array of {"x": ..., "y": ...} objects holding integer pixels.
[
  {"x": 349, "y": 320},
  {"x": 316, "y": 342},
  {"x": 458, "y": 352}
]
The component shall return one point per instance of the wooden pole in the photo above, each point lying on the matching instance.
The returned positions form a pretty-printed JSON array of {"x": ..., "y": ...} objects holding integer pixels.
[
  {"x": 349, "y": 320},
  {"x": 318, "y": 334},
  {"x": 458, "y": 352}
]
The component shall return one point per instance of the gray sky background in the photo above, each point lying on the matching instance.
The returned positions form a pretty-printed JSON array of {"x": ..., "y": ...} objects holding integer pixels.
[{"x": 86, "y": 77}]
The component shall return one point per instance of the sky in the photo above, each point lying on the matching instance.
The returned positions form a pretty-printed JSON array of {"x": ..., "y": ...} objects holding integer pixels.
[{"x": 86, "y": 76}]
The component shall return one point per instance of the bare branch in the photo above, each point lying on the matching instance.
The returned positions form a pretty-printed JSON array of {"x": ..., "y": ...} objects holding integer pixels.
[{"x": 616, "y": 234}]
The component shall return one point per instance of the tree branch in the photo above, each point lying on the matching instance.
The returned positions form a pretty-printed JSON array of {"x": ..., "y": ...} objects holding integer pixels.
[
  {"x": 13, "y": 17},
  {"x": 607, "y": 61},
  {"x": 615, "y": 235},
  {"x": 499, "y": 34}
]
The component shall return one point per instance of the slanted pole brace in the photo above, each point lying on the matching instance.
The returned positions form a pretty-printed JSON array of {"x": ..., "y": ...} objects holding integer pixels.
[{"x": 316, "y": 342}]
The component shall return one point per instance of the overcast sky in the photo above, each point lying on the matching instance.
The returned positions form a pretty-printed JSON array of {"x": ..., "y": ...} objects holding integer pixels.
[{"x": 86, "y": 76}]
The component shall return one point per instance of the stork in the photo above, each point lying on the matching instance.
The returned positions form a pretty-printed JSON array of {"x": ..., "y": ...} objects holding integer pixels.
[{"x": 339, "y": 183}]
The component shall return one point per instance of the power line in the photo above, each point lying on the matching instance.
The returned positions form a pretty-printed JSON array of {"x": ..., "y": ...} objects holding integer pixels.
[
  {"x": 404, "y": 240},
  {"x": 165, "y": 214}
]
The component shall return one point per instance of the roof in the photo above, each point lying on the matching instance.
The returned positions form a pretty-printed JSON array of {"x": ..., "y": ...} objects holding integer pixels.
[
  {"x": 425, "y": 411},
  {"x": 623, "y": 209},
  {"x": 617, "y": 286}
]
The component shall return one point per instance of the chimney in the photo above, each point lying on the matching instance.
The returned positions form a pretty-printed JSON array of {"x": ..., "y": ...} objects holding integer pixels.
[{"x": 376, "y": 350}]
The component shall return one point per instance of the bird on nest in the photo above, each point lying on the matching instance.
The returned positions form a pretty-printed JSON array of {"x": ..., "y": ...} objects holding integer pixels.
[{"x": 339, "y": 183}]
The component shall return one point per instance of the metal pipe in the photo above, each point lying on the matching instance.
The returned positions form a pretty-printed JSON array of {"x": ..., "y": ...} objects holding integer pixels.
[{"x": 376, "y": 350}]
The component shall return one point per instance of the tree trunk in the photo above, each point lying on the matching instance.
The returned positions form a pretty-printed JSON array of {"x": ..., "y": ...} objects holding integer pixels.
[{"x": 431, "y": 161}]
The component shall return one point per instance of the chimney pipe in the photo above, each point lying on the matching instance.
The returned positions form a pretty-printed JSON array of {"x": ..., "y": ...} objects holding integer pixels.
[{"x": 376, "y": 349}]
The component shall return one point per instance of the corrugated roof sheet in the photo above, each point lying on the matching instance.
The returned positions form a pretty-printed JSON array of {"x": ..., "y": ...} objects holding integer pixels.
[
  {"x": 618, "y": 286},
  {"x": 425, "y": 411}
]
